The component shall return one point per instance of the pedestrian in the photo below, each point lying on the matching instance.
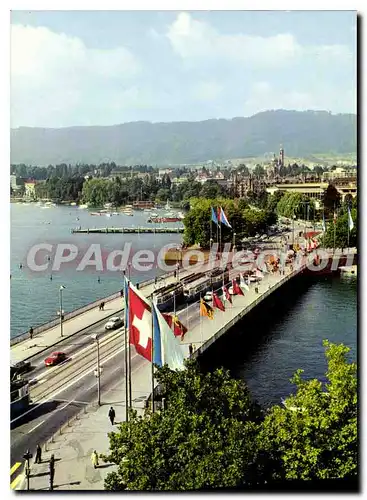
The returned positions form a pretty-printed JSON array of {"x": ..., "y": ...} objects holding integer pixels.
[
  {"x": 191, "y": 349},
  {"x": 121, "y": 292},
  {"x": 102, "y": 304},
  {"x": 94, "y": 458},
  {"x": 112, "y": 415},
  {"x": 38, "y": 458},
  {"x": 31, "y": 332},
  {"x": 100, "y": 307}
]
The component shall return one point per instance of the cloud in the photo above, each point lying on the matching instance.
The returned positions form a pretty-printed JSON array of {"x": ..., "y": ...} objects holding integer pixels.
[
  {"x": 56, "y": 73},
  {"x": 207, "y": 91},
  {"x": 195, "y": 40}
]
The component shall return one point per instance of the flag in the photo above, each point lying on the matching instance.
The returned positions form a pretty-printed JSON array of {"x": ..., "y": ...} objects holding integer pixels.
[
  {"x": 217, "y": 302},
  {"x": 350, "y": 220},
  {"x": 214, "y": 216},
  {"x": 236, "y": 289},
  {"x": 223, "y": 219},
  {"x": 323, "y": 223},
  {"x": 140, "y": 323},
  {"x": 175, "y": 324},
  {"x": 167, "y": 350},
  {"x": 226, "y": 294},
  {"x": 206, "y": 310},
  {"x": 243, "y": 283}
]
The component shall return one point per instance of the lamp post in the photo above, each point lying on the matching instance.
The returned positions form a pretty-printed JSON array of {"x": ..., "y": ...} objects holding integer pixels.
[
  {"x": 97, "y": 372},
  {"x": 234, "y": 242},
  {"x": 62, "y": 287}
]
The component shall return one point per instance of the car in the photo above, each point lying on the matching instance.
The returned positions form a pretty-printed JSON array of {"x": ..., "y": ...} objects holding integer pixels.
[
  {"x": 55, "y": 358},
  {"x": 208, "y": 296},
  {"x": 113, "y": 323},
  {"x": 19, "y": 368}
]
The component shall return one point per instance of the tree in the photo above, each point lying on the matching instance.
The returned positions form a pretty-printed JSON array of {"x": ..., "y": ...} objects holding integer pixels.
[
  {"x": 211, "y": 189},
  {"x": 331, "y": 200},
  {"x": 340, "y": 231},
  {"x": 315, "y": 435},
  {"x": 273, "y": 200},
  {"x": 203, "y": 439},
  {"x": 259, "y": 171}
]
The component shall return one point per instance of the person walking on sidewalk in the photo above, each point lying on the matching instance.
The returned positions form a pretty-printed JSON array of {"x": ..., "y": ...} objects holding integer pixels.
[
  {"x": 38, "y": 458},
  {"x": 112, "y": 415},
  {"x": 191, "y": 349},
  {"x": 94, "y": 458},
  {"x": 31, "y": 332},
  {"x": 52, "y": 472}
]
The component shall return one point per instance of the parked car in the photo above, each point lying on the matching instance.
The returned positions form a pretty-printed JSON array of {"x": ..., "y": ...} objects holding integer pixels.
[
  {"x": 208, "y": 296},
  {"x": 113, "y": 323},
  {"x": 55, "y": 358}
]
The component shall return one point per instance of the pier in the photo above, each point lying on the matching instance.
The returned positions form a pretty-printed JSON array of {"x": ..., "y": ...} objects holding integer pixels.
[{"x": 128, "y": 230}]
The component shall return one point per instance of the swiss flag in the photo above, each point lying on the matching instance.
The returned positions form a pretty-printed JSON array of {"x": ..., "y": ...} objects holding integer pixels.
[
  {"x": 140, "y": 323},
  {"x": 236, "y": 289}
]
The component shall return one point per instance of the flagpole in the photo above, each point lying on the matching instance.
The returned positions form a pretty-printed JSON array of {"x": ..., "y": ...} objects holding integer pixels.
[
  {"x": 152, "y": 354},
  {"x": 349, "y": 215},
  {"x": 201, "y": 323},
  {"x": 334, "y": 227},
  {"x": 126, "y": 355}
]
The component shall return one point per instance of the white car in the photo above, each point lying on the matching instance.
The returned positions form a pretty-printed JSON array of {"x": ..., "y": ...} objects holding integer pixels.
[
  {"x": 113, "y": 323},
  {"x": 208, "y": 296}
]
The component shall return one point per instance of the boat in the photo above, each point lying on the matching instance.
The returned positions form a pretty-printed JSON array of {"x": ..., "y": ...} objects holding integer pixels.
[
  {"x": 348, "y": 270},
  {"x": 73, "y": 204},
  {"x": 115, "y": 213},
  {"x": 154, "y": 214},
  {"x": 163, "y": 219},
  {"x": 167, "y": 206},
  {"x": 85, "y": 205}
]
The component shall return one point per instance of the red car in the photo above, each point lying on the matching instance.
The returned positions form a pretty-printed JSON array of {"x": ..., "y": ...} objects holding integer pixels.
[{"x": 55, "y": 358}]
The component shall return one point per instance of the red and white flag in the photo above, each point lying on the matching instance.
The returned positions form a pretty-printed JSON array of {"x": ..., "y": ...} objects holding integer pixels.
[
  {"x": 217, "y": 302},
  {"x": 140, "y": 323},
  {"x": 226, "y": 294},
  {"x": 175, "y": 324},
  {"x": 236, "y": 289}
]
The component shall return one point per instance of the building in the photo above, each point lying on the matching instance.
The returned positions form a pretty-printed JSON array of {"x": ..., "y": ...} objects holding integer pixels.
[
  {"x": 30, "y": 186},
  {"x": 314, "y": 190},
  {"x": 16, "y": 183}
]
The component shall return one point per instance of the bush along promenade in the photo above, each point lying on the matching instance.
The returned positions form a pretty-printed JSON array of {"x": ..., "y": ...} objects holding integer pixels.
[{"x": 210, "y": 434}]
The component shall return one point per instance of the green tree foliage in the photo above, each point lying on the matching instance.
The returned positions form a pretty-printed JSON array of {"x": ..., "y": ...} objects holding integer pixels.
[
  {"x": 211, "y": 189},
  {"x": 273, "y": 200},
  {"x": 315, "y": 435},
  {"x": 296, "y": 204},
  {"x": 203, "y": 439},
  {"x": 331, "y": 200},
  {"x": 340, "y": 230},
  {"x": 244, "y": 221}
]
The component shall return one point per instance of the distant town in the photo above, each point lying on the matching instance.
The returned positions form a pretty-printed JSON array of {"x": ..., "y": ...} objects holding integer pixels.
[{"x": 143, "y": 183}]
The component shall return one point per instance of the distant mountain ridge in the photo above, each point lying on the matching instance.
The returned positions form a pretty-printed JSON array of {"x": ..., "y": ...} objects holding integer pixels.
[{"x": 301, "y": 133}]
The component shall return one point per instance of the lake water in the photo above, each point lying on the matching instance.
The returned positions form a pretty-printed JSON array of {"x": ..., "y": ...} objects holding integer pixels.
[
  {"x": 287, "y": 333},
  {"x": 34, "y": 296}
]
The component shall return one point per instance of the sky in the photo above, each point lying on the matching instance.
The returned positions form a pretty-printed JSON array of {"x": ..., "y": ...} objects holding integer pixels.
[{"x": 72, "y": 68}]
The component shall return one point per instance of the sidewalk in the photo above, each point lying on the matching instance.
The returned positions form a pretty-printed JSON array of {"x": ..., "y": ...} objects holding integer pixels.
[{"x": 73, "y": 447}]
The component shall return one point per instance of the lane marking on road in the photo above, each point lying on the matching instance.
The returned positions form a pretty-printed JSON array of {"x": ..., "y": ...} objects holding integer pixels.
[
  {"x": 15, "y": 467},
  {"x": 35, "y": 427},
  {"x": 64, "y": 388},
  {"x": 16, "y": 481}
]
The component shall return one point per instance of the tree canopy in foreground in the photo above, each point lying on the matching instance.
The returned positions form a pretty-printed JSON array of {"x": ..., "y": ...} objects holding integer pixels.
[{"x": 212, "y": 435}]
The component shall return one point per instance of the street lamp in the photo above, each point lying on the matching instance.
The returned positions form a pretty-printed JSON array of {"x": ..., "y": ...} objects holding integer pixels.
[
  {"x": 98, "y": 370},
  {"x": 61, "y": 312},
  {"x": 234, "y": 241}
]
